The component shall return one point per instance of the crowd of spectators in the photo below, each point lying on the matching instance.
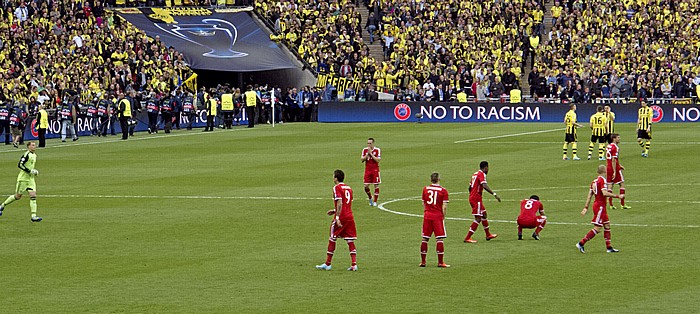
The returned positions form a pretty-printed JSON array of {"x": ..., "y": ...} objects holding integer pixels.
[
  {"x": 619, "y": 49},
  {"x": 594, "y": 49},
  {"x": 459, "y": 45},
  {"x": 50, "y": 48}
]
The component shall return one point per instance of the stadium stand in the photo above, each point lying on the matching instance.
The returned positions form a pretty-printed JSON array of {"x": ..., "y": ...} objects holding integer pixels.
[
  {"x": 49, "y": 47},
  {"x": 620, "y": 50},
  {"x": 323, "y": 33}
]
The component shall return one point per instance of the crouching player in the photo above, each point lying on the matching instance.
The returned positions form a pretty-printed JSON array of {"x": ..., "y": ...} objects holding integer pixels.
[
  {"x": 531, "y": 216},
  {"x": 343, "y": 224}
]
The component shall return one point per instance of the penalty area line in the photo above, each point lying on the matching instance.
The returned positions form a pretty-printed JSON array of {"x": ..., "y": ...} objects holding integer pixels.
[{"x": 506, "y": 135}]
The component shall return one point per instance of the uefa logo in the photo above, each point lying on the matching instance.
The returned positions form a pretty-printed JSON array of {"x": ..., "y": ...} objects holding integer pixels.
[
  {"x": 658, "y": 114},
  {"x": 402, "y": 112}
]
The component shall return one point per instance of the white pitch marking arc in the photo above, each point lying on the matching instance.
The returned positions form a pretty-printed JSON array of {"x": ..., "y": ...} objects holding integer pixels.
[{"x": 383, "y": 208}]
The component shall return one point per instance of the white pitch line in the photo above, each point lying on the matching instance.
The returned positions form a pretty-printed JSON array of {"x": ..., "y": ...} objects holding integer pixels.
[
  {"x": 382, "y": 208},
  {"x": 196, "y": 197},
  {"x": 507, "y": 135},
  {"x": 627, "y": 143},
  {"x": 578, "y": 201}
]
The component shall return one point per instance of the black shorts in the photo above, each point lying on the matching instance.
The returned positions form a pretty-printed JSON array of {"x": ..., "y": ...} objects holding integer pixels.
[
  {"x": 598, "y": 138},
  {"x": 570, "y": 137},
  {"x": 607, "y": 138},
  {"x": 644, "y": 134}
]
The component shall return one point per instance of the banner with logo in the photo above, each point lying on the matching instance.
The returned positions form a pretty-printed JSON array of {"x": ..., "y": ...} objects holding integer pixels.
[
  {"x": 489, "y": 112},
  {"x": 340, "y": 83},
  {"x": 85, "y": 125},
  {"x": 216, "y": 39}
]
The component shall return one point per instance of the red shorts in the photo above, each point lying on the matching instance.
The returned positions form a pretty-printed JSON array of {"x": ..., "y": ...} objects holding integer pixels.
[
  {"x": 531, "y": 222},
  {"x": 618, "y": 177},
  {"x": 372, "y": 177},
  {"x": 436, "y": 227},
  {"x": 600, "y": 215},
  {"x": 347, "y": 231},
  {"x": 477, "y": 208}
]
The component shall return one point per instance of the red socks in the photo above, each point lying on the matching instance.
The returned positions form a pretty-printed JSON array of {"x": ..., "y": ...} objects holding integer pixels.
[
  {"x": 472, "y": 228},
  {"x": 376, "y": 194},
  {"x": 606, "y": 234},
  {"x": 540, "y": 227},
  {"x": 331, "y": 249},
  {"x": 440, "y": 251},
  {"x": 485, "y": 223},
  {"x": 589, "y": 236},
  {"x": 369, "y": 194},
  {"x": 622, "y": 200},
  {"x": 423, "y": 251},
  {"x": 353, "y": 252}
]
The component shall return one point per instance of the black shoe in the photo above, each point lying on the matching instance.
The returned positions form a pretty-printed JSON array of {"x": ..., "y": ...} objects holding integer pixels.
[
  {"x": 520, "y": 236},
  {"x": 611, "y": 250},
  {"x": 36, "y": 219},
  {"x": 536, "y": 236},
  {"x": 580, "y": 247},
  {"x": 75, "y": 139}
]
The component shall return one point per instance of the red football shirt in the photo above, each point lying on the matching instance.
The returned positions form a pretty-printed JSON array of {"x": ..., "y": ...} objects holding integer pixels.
[
  {"x": 343, "y": 193},
  {"x": 529, "y": 209},
  {"x": 433, "y": 198},
  {"x": 612, "y": 153},
  {"x": 371, "y": 165},
  {"x": 597, "y": 186},
  {"x": 475, "y": 186}
]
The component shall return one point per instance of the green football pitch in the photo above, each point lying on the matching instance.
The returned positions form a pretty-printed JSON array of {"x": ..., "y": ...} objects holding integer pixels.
[{"x": 235, "y": 220}]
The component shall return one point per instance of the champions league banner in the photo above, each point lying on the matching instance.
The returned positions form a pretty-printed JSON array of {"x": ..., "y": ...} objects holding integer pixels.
[
  {"x": 85, "y": 125},
  {"x": 490, "y": 112},
  {"x": 216, "y": 39}
]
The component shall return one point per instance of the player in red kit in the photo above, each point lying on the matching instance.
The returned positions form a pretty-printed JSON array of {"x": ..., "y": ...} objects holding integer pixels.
[
  {"x": 531, "y": 216},
  {"x": 371, "y": 155},
  {"x": 600, "y": 213},
  {"x": 476, "y": 187},
  {"x": 435, "y": 199},
  {"x": 343, "y": 224},
  {"x": 614, "y": 172}
]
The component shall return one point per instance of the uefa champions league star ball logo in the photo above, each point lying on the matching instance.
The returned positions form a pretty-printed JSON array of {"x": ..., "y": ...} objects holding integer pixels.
[
  {"x": 658, "y": 114},
  {"x": 402, "y": 112},
  {"x": 217, "y": 35}
]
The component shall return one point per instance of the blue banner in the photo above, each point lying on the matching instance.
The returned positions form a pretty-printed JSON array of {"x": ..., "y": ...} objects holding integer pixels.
[
  {"x": 212, "y": 39},
  {"x": 489, "y": 112}
]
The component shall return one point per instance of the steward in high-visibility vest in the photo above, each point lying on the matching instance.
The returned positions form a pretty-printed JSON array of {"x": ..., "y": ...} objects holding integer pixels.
[
  {"x": 43, "y": 119},
  {"x": 227, "y": 108}
]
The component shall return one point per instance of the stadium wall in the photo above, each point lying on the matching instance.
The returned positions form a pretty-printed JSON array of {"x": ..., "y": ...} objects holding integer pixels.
[{"x": 489, "y": 112}]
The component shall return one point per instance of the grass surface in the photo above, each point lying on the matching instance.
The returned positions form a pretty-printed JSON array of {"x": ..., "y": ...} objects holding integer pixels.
[{"x": 234, "y": 221}]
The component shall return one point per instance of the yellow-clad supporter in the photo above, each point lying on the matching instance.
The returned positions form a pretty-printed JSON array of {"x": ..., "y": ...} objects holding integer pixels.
[
  {"x": 78, "y": 48},
  {"x": 621, "y": 50}
]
